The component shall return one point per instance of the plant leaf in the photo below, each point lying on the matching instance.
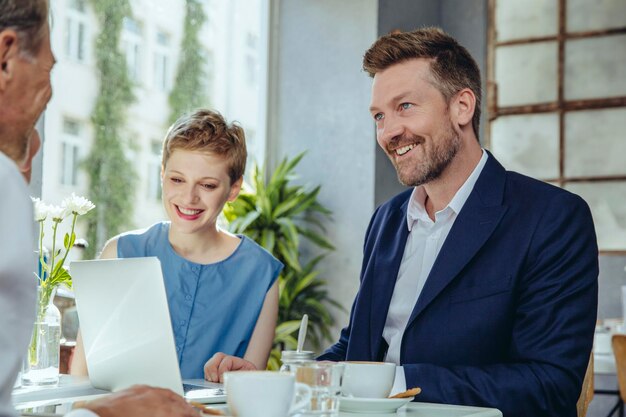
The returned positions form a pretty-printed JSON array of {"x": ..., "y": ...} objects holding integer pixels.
[
  {"x": 268, "y": 239},
  {"x": 289, "y": 254},
  {"x": 316, "y": 238},
  {"x": 244, "y": 222},
  {"x": 289, "y": 230},
  {"x": 61, "y": 277},
  {"x": 306, "y": 202}
]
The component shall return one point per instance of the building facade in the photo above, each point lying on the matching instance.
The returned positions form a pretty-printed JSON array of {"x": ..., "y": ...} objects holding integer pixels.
[{"x": 232, "y": 47}]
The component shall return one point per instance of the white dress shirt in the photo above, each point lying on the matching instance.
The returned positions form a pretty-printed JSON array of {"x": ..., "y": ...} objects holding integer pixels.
[
  {"x": 426, "y": 237},
  {"x": 18, "y": 261},
  {"x": 17, "y": 281}
]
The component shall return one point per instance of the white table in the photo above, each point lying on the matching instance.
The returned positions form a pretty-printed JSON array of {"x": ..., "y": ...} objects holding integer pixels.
[
  {"x": 437, "y": 410},
  {"x": 56, "y": 399},
  {"x": 46, "y": 401},
  {"x": 416, "y": 409}
]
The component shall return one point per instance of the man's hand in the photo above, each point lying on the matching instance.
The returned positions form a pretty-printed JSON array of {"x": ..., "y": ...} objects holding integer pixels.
[
  {"x": 216, "y": 366},
  {"x": 141, "y": 401}
]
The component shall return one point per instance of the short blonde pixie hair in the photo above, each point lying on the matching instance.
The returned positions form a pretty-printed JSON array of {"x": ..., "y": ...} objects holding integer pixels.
[{"x": 206, "y": 131}]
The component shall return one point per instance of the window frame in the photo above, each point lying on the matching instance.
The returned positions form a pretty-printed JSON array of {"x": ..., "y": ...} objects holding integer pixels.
[
  {"x": 561, "y": 106},
  {"x": 162, "y": 63},
  {"x": 76, "y": 23},
  {"x": 73, "y": 142},
  {"x": 153, "y": 183},
  {"x": 132, "y": 45}
]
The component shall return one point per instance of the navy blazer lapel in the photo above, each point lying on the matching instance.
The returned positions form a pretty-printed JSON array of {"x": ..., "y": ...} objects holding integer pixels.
[
  {"x": 477, "y": 220},
  {"x": 387, "y": 263}
]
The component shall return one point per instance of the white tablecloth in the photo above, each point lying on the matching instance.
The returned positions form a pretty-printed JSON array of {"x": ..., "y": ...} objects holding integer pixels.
[{"x": 72, "y": 389}]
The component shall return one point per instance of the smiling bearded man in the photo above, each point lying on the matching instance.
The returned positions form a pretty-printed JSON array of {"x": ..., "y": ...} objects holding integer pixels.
[{"x": 479, "y": 283}]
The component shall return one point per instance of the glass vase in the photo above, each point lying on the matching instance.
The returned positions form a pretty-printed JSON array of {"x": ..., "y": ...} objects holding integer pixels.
[{"x": 41, "y": 365}]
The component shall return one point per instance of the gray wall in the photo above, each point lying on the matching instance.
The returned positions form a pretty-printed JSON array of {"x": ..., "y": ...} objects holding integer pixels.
[
  {"x": 319, "y": 99},
  {"x": 612, "y": 277}
]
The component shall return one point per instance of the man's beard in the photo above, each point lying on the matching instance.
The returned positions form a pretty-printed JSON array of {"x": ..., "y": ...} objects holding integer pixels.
[{"x": 443, "y": 151}]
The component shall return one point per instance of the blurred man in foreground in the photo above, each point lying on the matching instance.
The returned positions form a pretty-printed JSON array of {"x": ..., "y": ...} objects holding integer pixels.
[{"x": 26, "y": 60}]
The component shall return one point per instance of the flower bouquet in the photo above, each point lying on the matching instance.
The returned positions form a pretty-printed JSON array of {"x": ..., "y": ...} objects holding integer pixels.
[{"x": 42, "y": 364}]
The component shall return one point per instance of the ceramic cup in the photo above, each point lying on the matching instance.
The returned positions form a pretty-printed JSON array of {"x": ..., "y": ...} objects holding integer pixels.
[
  {"x": 368, "y": 379},
  {"x": 264, "y": 394}
]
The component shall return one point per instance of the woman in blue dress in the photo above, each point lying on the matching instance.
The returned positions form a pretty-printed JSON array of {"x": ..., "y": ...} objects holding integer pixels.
[{"x": 222, "y": 289}]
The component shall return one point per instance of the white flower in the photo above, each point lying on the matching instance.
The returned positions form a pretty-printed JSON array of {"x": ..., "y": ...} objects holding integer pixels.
[
  {"x": 41, "y": 209},
  {"x": 57, "y": 213},
  {"x": 77, "y": 204},
  {"x": 54, "y": 272}
]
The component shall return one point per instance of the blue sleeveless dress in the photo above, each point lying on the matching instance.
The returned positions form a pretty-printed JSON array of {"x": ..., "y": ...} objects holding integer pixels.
[{"x": 213, "y": 307}]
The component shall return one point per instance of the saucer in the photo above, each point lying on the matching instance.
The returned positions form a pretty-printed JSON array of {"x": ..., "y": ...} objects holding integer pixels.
[{"x": 372, "y": 405}]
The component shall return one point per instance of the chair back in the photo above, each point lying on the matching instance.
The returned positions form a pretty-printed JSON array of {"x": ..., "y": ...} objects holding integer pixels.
[
  {"x": 586, "y": 394},
  {"x": 619, "y": 350}
]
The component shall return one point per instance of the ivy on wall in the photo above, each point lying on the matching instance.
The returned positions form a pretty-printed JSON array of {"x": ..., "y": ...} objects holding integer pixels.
[
  {"x": 189, "y": 91},
  {"x": 112, "y": 179}
]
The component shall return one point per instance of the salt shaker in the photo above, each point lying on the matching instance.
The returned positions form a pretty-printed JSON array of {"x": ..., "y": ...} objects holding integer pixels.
[{"x": 292, "y": 359}]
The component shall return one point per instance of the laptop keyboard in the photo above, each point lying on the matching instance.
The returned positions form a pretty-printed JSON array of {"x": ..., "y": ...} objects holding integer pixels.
[{"x": 193, "y": 387}]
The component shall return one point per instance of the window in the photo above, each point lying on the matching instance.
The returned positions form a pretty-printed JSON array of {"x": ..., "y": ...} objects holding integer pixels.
[
  {"x": 150, "y": 40},
  {"x": 132, "y": 39},
  {"x": 70, "y": 152},
  {"x": 154, "y": 171},
  {"x": 209, "y": 71},
  {"x": 557, "y": 99},
  {"x": 162, "y": 62},
  {"x": 251, "y": 59},
  {"x": 75, "y": 30}
]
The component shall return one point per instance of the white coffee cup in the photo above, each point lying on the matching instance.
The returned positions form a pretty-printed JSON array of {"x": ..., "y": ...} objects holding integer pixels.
[
  {"x": 368, "y": 379},
  {"x": 264, "y": 393}
]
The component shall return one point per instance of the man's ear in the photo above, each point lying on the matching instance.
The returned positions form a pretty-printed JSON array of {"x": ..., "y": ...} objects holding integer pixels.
[
  {"x": 8, "y": 54},
  {"x": 235, "y": 189},
  {"x": 462, "y": 107}
]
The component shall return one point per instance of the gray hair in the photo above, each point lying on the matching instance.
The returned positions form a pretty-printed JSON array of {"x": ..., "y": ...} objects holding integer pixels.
[{"x": 27, "y": 18}]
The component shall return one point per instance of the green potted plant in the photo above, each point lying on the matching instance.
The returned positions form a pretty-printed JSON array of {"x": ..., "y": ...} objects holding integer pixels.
[{"x": 276, "y": 214}]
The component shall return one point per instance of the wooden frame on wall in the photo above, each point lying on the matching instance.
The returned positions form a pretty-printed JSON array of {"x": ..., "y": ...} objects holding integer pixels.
[{"x": 559, "y": 109}]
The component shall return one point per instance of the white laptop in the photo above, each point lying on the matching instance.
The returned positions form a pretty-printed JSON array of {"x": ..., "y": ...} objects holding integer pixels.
[{"x": 126, "y": 328}]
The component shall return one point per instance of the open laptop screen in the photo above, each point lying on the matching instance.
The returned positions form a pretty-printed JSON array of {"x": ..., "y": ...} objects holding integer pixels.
[{"x": 125, "y": 323}]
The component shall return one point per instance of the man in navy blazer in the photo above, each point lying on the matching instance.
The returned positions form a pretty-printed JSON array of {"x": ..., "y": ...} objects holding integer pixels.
[{"x": 481, "y": 283}]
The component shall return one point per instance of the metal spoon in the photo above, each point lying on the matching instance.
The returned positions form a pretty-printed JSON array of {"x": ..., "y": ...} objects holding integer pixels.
[{"x": 302, "y": 332}]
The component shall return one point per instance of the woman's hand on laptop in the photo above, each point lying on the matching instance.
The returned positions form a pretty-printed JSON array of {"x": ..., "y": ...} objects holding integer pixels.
[
  {"x": 141, "y": 401},
  {"x": 220, "y": 362}
]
